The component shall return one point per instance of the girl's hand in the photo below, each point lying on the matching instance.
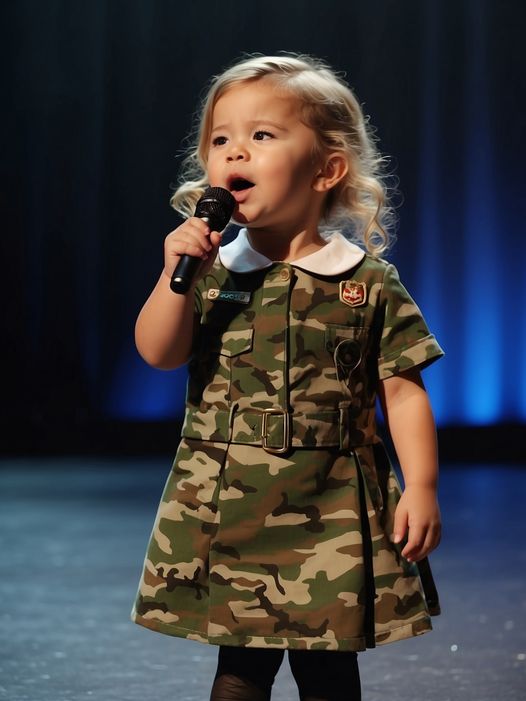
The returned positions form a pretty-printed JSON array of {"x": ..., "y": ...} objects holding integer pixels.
[
  {"x": 418, "y": 510},
  {"x": 192, "y": 238}
]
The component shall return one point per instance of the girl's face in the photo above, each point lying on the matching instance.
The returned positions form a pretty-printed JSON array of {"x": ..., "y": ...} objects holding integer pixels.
[{"x": 264, "y": 155}]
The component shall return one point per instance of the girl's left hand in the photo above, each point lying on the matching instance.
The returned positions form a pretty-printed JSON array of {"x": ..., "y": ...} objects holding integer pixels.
[{"x": 419, "y": 512}]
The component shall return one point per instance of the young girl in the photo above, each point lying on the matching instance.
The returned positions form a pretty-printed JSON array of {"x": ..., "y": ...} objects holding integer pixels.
[{"x": 282, "y": 525}]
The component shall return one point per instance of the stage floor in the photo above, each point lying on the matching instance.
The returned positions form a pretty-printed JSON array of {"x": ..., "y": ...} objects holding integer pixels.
[{"x": 73, "y": 535}]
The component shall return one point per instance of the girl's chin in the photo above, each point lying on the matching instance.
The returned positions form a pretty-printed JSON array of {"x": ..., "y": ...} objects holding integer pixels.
[{"x": 240, "y": 219}]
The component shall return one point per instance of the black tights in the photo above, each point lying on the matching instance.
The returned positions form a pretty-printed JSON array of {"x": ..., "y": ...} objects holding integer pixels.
[{"x": 247, "y": 674}]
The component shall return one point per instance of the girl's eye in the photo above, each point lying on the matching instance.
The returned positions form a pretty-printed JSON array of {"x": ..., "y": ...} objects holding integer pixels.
[
  {"x": 219, "y": 141},
  {"x": 262, "y": 135}
]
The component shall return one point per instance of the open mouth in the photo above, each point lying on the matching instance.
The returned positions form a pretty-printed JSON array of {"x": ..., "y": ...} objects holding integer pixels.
[{"x": 240, "y": 184}]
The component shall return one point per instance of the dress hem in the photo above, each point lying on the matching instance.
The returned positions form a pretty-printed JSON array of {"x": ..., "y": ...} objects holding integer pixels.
[{"x": 416, "y": 627}]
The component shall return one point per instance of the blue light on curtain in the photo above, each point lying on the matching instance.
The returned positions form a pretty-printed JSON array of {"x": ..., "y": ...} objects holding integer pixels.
[
  {"x": 470, "y": 281},
  {"x": 481, "y": 332},
  {"x": 139, "y": 392}
]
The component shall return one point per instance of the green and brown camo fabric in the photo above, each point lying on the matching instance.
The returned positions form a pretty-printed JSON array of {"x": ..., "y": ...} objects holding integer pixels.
[{"x": 291, "y": 550}]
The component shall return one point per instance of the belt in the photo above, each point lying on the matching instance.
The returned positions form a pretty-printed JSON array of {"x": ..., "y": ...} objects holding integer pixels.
[{"x": 274, "y": 429}]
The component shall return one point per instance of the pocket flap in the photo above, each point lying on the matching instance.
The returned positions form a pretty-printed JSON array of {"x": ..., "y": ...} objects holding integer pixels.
[
  {"x": 335, "y": 334},
  {"x": 236, "y": 342}
]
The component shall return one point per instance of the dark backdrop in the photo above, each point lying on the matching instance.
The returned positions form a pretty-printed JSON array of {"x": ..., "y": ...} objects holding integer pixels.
[{"x": 97, "y": 100}]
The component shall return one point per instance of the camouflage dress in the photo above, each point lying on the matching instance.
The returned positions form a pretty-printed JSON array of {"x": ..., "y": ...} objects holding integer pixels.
[{"x": 274, "y": 526}]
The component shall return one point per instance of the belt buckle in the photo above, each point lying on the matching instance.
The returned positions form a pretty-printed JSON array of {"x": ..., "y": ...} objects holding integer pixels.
[{"x": 286, "y": 430}]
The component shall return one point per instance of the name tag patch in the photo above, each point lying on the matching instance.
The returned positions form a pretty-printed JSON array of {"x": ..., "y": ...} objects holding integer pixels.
[{"x": 228, "y": 296}]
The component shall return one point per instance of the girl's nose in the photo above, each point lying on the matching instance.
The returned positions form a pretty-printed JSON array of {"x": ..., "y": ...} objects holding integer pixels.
[{"x": 237, "y": 152}]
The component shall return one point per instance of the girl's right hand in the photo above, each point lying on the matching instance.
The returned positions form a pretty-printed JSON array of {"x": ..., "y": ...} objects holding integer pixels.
[{"x": 192, "y": 238}]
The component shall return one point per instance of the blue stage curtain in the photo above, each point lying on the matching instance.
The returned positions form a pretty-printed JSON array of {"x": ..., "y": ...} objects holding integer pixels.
[{"x": 98, "y": 99}]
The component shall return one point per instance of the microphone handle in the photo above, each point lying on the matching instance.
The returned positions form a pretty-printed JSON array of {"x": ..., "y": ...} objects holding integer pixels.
[{"x": 185, "y": 271}]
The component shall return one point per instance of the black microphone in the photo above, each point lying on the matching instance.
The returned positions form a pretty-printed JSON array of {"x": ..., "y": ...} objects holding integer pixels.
[{"x": 215, "y": 208}]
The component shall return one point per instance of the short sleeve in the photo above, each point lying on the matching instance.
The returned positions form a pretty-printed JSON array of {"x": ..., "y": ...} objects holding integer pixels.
[{"x": 406, "y": 341}]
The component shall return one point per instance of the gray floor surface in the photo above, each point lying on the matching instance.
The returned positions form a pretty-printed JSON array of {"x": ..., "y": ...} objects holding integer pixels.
[{"x": 73, "y": 535}]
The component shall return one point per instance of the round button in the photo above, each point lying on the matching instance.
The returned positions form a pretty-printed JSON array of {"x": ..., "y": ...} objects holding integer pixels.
[{"x": 284, "y": 274}]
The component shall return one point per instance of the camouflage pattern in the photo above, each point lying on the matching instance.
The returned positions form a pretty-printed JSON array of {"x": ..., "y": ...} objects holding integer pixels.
[{"x": 291, "y": 549}]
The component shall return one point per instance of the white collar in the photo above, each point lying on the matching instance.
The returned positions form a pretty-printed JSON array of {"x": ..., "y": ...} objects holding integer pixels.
[{"x": 337, "y": 256}]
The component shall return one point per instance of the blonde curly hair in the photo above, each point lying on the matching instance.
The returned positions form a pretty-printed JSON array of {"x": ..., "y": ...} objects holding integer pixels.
[{"x": 358, "y": 204}]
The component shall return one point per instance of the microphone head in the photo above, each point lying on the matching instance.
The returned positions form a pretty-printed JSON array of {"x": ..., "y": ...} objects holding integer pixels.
[{"x": 216, "y": 205}]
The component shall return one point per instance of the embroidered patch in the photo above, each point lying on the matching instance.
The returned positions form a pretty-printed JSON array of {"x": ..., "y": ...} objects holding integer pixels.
[
  {"x": 353, "y": 293},
  {"x": 228, "y": 296}
]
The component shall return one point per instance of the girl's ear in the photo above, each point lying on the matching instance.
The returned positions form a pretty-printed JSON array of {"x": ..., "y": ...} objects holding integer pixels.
[{"x": 334, "y": 170}]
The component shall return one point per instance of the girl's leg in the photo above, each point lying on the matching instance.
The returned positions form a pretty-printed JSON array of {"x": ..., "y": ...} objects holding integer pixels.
[
  {"x": 326, "y": 676},
  {"x": 245, "y": 674}
]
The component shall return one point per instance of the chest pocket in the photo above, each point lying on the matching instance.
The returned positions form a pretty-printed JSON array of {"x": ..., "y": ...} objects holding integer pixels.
[
  {"x": 217, "y": 368},
  {"x": 347, "y": 346}
]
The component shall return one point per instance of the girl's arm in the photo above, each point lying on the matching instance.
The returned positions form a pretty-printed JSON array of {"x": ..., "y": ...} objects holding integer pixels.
[
  {"x": 410, "y": 421},
  {"x": 165, "y": 325}
]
